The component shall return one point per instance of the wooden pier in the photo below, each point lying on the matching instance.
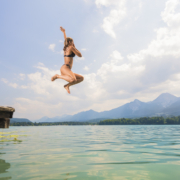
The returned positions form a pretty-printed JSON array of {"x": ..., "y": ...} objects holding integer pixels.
[{"x": 5, "y": 114}]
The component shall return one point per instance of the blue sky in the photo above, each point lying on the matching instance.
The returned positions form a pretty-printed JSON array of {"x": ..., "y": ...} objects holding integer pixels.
[{"x": 130, "y": 49}]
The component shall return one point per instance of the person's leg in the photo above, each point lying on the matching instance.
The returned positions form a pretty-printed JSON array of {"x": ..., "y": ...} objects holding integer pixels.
[
  {"x": 67, "y": 78},
  {"x": 79, "y": 79},
  {"x": 66, "y": 74}
]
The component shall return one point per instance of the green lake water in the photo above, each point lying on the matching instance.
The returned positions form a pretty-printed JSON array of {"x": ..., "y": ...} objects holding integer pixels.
[{"x": 90, "y": 152}]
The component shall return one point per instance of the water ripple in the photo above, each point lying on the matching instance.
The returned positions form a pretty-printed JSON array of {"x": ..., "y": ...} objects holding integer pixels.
[{"x": 91, "y": 152}]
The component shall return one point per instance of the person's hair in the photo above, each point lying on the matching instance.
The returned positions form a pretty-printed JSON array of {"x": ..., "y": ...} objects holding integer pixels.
[{"x": 66, "y": 42}]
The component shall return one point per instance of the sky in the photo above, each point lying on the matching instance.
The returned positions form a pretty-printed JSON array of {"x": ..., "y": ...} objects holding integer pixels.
[{"x": 130, "y": 50}]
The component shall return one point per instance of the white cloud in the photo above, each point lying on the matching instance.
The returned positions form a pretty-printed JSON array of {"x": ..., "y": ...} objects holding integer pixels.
[
  {"x": 61, "y": 41},
  {"x": 39, "y": 78},
  {"x": 161, "y": 57},
  {"x": 86, "y": 68},
  {"x": 116, "y": 14},
  {"x": 113, "y": 19},
  {"x": 169, "y": 15},
  {"x": 23, "y": 87},
  {"x": 4, "y": 80},
  {"x": 167, "y": 42},
  {"x": 83, "y": 49},
  {"x": 14, "y": 85},
  {"x": 116, "y": 69},
  {"x": 22, "y": 76},
  {"x": 106, "y": 3},
  {"x": 92, "y": 89},
  {"x": 24, "y": 108},
  {"x": 40, "y": 64},
  {"x": 51, "y": 47},
  {"x": 116, "y": 56}
]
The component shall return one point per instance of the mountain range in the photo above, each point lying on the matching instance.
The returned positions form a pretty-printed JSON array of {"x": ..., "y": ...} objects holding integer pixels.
[
  {"x": 13, "y": 120},
  {"x": 164, "y": 105}
]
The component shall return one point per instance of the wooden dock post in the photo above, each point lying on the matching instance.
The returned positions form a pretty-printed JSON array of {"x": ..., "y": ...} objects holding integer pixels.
[{"x": 5, "y": 114}]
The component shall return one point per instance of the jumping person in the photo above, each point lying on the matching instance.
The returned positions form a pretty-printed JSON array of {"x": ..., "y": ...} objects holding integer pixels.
[{"x": 69, "y": 52}]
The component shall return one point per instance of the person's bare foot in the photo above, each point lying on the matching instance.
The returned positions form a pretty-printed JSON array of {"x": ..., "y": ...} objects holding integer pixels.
[
  {"x": 67, "y": 88},
  {"x": 54, "y": 77}
]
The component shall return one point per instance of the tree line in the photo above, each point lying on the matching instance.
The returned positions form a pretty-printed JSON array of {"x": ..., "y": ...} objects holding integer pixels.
[
  {"x": 121, "y": 121},
  {"x": 49, "y": 123},
  {"x": 142, "y": 121}
]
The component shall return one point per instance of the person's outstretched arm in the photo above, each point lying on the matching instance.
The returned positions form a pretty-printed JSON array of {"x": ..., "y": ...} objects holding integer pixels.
[{"x": 63, "y": 30}]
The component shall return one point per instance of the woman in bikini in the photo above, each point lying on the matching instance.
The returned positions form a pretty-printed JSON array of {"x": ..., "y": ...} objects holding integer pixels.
[{"x": 69, "y": 52}]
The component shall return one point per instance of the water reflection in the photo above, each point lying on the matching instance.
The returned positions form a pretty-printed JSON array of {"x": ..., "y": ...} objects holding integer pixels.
[{"x": 3, "y": 168}]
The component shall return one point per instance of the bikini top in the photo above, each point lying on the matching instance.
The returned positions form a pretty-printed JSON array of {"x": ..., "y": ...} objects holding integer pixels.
[{"x": 70, "y": 55}]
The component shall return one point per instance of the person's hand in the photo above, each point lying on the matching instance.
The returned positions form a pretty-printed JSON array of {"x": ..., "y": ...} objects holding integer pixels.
[{"x": 62, "y": 29}]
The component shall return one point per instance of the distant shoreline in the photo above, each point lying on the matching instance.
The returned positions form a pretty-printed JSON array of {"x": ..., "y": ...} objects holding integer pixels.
[{"x": 121, "y": 121}]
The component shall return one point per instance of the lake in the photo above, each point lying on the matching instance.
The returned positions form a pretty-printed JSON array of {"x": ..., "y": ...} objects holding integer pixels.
[{"x": 90, "y": 152}]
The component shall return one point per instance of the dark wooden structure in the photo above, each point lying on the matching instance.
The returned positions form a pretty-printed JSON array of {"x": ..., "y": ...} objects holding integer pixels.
[{"x": 5, "y": 114}]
